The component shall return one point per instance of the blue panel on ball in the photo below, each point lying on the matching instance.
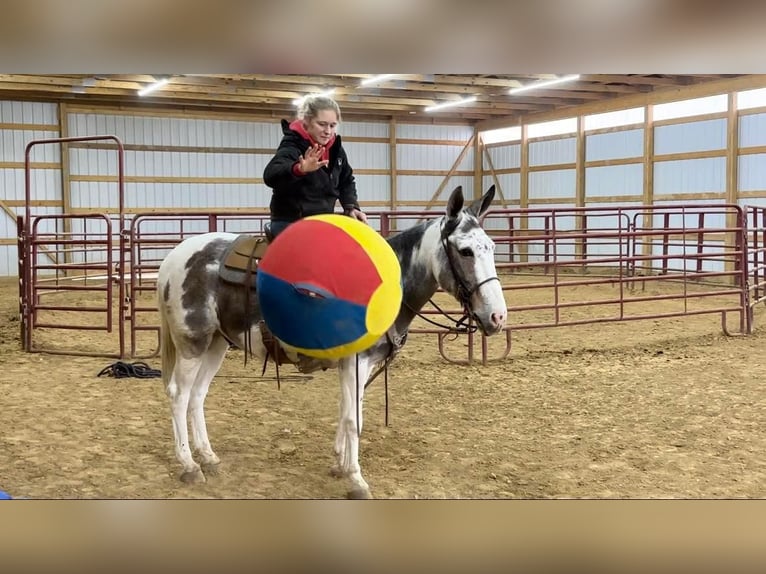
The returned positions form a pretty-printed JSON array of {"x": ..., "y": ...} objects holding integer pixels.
[{"x": 309, "y": 322}]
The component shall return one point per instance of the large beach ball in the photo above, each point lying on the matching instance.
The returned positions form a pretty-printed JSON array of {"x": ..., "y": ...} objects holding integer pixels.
[{"x": 329, "y": 286}]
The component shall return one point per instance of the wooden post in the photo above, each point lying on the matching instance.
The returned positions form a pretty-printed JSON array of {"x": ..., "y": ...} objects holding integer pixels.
[
  {"x": 66, "y": 191},
  {"x": 392, "y": 161},
  {"x": 478, "y": 165},
  {"x": 648, "y": 191},
  {"x": 732, "y": 180},
  {"x": 580, "y": 186},
  {"x": 524, "y": 192}
]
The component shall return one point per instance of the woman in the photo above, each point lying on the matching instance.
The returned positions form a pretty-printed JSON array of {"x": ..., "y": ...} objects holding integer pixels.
[{"x": 310, "y": 170}]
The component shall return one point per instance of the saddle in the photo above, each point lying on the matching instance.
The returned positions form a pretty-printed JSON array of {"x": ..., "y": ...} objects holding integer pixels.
[{"x": 239, "y": 266}]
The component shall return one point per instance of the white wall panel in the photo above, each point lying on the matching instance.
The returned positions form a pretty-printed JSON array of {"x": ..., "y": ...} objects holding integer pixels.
[
  {"x": 363, "y": 129},
  {"x": 752, "y": 172},
  {"x": 558, "y": 183},
  {"x": 615, "y": 180},
  {"x": 614, "y": 145},
  {"x": 690, "y": 176},
  {"x": 368, "y": 155},
  {"x": 504, "y": 157},
  {"x": 688, "y": 137},
  {"x": 427, "y": 157},
  {"x": 373, "y": 188},
  {"x": 422, "y": 187},
  {"x": 550, "y": 152},
  {"x": 13, "y": 112},
  {"x": 434, "y": 132},
  {"x": 752, "y": 130},
  {"x": 509, "y": 184},
  {"x": 13, "y": 144}
]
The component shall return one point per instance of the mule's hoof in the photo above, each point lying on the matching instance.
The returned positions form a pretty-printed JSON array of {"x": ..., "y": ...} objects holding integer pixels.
[
  {"x": 210, "y": 468},
  {"x": 336, "y": 472},
  {"x": 359, "y": 494},
  {"x": 193, "y": 477}
]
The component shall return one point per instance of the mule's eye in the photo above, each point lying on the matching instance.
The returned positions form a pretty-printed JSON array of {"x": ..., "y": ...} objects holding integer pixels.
[{"x": 466, "y": 252}]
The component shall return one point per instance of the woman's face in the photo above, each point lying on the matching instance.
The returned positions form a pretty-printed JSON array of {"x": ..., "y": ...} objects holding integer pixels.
[{"x": 322, "y": 127}]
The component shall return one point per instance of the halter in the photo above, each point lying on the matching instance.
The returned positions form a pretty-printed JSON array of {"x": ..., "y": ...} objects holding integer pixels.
[{"x": 464, "y": 293}]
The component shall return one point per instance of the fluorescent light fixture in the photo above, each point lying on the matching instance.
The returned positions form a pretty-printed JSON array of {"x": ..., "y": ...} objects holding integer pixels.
[
  {"x": 451, "y": 104},
  {"x": 152, "y": 87},
  {"x": 544, "y": 83},
  {"x": 299, "y": 101},
  {"x": 376, "y": 79}
]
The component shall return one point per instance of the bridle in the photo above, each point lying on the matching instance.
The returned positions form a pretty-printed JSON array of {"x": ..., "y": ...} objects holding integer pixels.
[{"x": 464, "y": 292}]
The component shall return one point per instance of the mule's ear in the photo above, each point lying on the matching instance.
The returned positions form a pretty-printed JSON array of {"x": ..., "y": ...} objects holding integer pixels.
[
  {"x": 455, "y": 202},
  {"x": 482, "y": 204}
]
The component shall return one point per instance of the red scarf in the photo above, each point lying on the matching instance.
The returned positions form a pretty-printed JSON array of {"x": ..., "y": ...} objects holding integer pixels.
[{"x": 297, "y": 126}]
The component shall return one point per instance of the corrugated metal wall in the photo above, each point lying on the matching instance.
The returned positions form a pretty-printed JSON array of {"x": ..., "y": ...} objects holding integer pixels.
[{"x": 21, "y": 122}]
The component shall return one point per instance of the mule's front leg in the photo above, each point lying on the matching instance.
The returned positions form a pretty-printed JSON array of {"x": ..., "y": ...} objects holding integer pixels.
[
  {"x": 347, "y": 436},
  {"x": 179, "y": 391}
]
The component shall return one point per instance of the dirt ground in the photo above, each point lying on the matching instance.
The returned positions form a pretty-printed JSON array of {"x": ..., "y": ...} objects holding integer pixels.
[{"x": 667, "y": 408}]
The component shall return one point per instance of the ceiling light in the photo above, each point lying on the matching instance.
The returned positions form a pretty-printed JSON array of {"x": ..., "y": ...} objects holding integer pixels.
[
  {"x": 328, "y": 93},
  {"x": 544, "y": 83},
  {"x": 155, "y": 86},
  {"x": 376, "y": 79},
  {"x": 450, "y": 104}
]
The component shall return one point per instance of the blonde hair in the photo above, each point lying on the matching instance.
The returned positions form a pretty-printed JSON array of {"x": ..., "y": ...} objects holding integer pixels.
[{"x": 313, "y": 104}]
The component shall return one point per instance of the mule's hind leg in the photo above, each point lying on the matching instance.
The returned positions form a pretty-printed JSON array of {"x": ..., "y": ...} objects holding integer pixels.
[
  {"x": 179, "y": 390},
  {"x": 211, "y": 362}
]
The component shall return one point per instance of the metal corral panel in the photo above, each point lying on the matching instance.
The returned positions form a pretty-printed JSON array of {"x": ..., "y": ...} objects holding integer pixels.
[
  {"x": 422, "y": 187},
  {"x": 689, "y": 246},
  {"x": 690, "y": 176},
  {"x": 368, "y": 155},
  {"x": 363, "y": 130},
  {"x": 752, "y": 172},
  {"x": 504, "y": 157},
  {"x": 614, "y": 145},
  {"x": 373, "y": 188},
  {"x": 510, "y": 185},
  {"x": 694, "y": 136},
  {"x": 614, "y": 181},
  {"x": 429, "y": 157},
  {"x": 752, "y": 130},
  {"x": 558, "y": 183},
  {"x": 552, "y": 152},
  {"x": 434, "y": 132}
]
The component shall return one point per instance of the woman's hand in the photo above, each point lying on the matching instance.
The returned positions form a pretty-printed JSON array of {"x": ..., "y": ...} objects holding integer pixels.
[
  {"x": 358, "y": 215},
  {"x": 312, "y": 159}
]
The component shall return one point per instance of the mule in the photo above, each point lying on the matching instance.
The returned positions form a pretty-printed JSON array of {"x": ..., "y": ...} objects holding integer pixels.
[{"x": 200, "y": 316}]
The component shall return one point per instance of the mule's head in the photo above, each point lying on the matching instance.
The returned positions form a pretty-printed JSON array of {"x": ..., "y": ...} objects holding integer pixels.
[{"x": 466, "y": 262}]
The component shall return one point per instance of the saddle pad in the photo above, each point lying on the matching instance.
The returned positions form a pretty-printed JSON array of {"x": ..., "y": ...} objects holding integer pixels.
[{"x": 245, "y": 250}]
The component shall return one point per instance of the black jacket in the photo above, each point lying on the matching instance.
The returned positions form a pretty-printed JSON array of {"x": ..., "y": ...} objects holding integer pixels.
[{"x": 295, "y": 197}]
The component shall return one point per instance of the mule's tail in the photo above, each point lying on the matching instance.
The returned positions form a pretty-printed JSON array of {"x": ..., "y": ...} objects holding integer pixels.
[{"x": 167, "y": 350}]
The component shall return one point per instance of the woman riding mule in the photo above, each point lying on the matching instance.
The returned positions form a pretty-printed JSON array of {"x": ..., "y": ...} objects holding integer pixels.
[
  {"x": 200, "y": 315},
  {"x": 310, "y": 170}
]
